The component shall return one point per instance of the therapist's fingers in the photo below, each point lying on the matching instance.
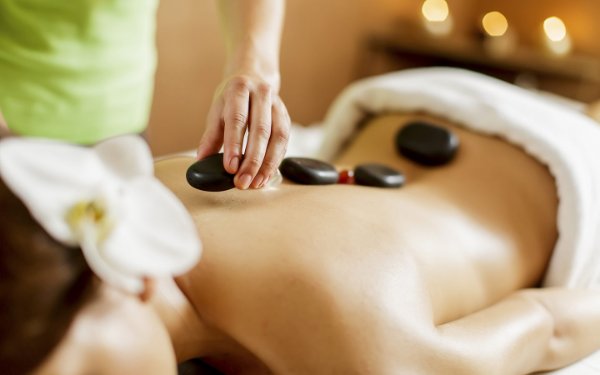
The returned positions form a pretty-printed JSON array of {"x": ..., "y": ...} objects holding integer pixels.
[
  {"x": 259, "y": 133},
  {"x": 212, "y": 139},
  {"x": 280, "y": 134},
  {"x": 235, "y": 115}
]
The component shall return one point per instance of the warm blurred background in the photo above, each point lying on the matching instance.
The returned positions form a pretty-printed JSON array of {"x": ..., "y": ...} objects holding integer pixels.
[{"x": 549, "y": 45}]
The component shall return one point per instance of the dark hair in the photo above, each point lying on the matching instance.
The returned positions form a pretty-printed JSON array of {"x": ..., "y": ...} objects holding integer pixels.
[{"x": 43, "y": 284}]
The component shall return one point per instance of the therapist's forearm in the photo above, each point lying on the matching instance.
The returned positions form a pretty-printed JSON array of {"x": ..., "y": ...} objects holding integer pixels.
[
  {"x": 252, "y": 31},
  {"x": 3, "y": 126}
]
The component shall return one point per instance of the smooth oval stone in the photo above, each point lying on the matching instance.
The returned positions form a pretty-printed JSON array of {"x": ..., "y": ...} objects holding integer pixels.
[
  {"x": 209, "y": 174},
  {"x": 426, "y": 143},
  {"x": 308, "y": 171},
  {"x": 378, "y": 175}
]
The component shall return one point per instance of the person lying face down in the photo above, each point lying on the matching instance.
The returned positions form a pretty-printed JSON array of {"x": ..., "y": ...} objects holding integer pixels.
[{"x": 438, "y": 277}]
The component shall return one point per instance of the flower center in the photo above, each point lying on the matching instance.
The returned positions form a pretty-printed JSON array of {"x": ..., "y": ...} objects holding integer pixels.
[{"x": 90, "y": 212}]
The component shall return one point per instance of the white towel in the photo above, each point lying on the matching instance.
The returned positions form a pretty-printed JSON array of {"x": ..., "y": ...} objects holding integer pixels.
[{"x": 565, "y": 140}]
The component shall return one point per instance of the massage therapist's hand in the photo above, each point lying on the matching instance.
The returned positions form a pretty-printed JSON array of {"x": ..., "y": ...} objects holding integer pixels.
[
  {"x": 244, "y": 103},
  {"x": 247, "y": 101}
]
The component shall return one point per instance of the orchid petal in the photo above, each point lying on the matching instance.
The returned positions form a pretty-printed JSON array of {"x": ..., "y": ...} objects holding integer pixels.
[
  {"x": 50, "y": 177},
  {"x": 157, "y": 236},
  {"x": 103, "y": 269},
  {"x": 126, "y": 156}
]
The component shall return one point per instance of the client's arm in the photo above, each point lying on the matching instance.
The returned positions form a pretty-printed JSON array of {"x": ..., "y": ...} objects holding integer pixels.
[{"x": 529, "y": 331}]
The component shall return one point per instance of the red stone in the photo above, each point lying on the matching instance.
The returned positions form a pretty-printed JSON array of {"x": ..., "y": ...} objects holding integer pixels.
[{"x": 346, "y": 177}]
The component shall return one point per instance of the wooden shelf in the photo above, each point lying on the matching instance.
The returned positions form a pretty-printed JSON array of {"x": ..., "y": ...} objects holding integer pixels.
[{"x": 575, "y": 76}]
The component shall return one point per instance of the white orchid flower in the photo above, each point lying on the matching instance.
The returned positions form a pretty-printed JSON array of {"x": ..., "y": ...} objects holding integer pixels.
[{"x": 106, "y": 200}]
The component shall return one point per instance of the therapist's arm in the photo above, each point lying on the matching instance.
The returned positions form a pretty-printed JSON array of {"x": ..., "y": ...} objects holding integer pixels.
[
  {"x": 4, "y": 131},
  {"x": 248, "y": 97}
]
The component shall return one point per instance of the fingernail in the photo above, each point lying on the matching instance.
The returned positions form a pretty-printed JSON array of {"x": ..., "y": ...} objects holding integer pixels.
[
  {"x": 234, "y": 164},
  {"x": 245, "y": 181},
  {"x": 258, "y": 181}
]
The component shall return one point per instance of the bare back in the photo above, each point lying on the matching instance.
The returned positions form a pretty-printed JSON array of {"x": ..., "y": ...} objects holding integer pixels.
[{"x": 301, "y": 275}]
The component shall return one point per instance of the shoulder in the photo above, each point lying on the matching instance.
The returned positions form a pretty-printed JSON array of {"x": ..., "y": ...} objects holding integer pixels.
[
  {"x": 113, "y": 335},
  {"x": 127, "y": 335}
]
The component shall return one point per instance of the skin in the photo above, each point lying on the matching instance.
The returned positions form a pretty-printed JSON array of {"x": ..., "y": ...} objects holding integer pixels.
[
  {"x": 4, "y": 132},
  {"x": 436, "y": 277},
  {"x": 247, "y": 100}
]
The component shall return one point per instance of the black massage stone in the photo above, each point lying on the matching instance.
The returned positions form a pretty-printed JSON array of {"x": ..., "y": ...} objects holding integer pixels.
[
  {"x": 427, "y": 144},
  {"x": 378, "y": 175},
  {"x": 209, "y": 174},
  {"x": 308, "y": 171}
]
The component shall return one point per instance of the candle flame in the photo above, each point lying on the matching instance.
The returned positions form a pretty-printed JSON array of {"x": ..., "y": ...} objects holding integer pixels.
[
  {"x": 435, "y": 10},
  {"x": 555, "y": 29},
  {"x": 495, "y": 23}
]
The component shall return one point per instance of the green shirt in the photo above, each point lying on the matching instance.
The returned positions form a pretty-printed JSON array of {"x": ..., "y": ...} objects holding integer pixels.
[{"x": 78, "y": 70}]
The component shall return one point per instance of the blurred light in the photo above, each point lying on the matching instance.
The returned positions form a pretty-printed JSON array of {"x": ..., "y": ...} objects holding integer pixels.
[
  {"x": 555, "y": 29},
  {"x": 561, "y": 47},
  {"x": 557, "y": 38},
  {"x": 436, "y": 17},
  {"x": 494, "y": 23},
  {"x": 435, "y": 10}
]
